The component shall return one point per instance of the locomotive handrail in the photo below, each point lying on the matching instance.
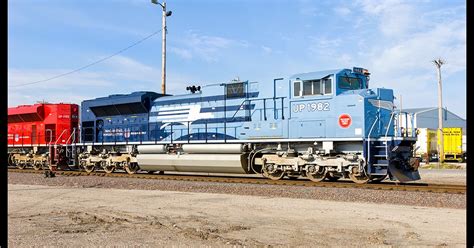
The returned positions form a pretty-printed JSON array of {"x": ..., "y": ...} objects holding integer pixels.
[
  {"x": 239, "y": 108},
  {"x": 368, "y": 140},
  {"x": 206, "y": 131},
  {"x": 50, "y": 136},
  {"x": 67, "y": 141},
  {"x": 406, "y": 124},
  {"x": 274, "y": 106},
  {"x": 386, "y": 134},
  {"x": 70, "y": 136},
  {"x": 55, "y": 143},
  {"x": 282, "y": 110},
  {"x": 405, "y": 129}
]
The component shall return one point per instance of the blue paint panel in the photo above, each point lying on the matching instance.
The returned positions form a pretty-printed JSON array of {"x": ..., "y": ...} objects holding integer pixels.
[
  {"x": 228, "y": 108},
  {"x": 117, "y": 127},
  {"x": 168, "y": 101}
]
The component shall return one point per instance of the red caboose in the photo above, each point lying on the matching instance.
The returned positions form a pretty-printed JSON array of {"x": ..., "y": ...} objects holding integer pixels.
[{"x": 42, "y": 124}]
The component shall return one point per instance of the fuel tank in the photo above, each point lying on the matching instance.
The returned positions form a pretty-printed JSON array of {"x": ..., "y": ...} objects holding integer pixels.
[{"x": 212, "y": 163}]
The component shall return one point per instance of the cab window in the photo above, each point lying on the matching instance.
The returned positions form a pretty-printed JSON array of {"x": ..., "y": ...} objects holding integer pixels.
[
  {"x": 350, "y": 83},
  {"x": 316, "y": 87},
  {"x": 297, "y": 88},
  {"x": 307, "y": 88},
  {"x": 327, "y": 86},
  {"x": 235, "y": 90}
]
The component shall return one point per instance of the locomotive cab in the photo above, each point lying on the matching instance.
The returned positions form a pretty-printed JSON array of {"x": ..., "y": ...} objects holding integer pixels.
[{"x": 337, "y": 110}]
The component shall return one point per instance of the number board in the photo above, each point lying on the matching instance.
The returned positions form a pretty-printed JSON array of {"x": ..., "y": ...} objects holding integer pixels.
[{"x": 310, "y": 107}]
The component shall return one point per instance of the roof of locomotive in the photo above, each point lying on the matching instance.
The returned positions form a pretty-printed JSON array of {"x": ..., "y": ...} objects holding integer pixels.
[
  {"x": 316, "y": 74},
  {"x": 123, "y": 98},
  {"x": 33, "y": 108},
  {"x": 206, "y": 90}
]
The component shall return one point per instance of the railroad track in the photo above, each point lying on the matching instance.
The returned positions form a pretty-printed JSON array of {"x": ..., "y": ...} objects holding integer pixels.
[{"x": 420, "y": 187}]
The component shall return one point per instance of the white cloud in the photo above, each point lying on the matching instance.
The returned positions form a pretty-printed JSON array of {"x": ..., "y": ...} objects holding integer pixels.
[
  {"x": 71, "y": 88},
  {"x": 266, "y": 49},
  {"x": 206, "y": 47},
  {"x": 17, "y": 77},
  {"x": 400, "y": 49},
  {"x": 120, "y": 74},
  {"x": 181, "y": 52},
  {"x": 447, "y": 40},
  {"x": 395, "y": 17},
  {"x": 409, "y": 39},
  {"x": 324, "y": 47},
  {"x": 342, "y": 11}
]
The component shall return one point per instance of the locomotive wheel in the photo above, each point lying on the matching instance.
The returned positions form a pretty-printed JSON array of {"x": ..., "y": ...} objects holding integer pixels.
[
  {"x": 89, "y": 168},
  {"x": 20, "y": 165},
  {"x": 131, "y": 168},
  {"x": 10, "y": 160},
  {"x": 108, "y": 168},
  {"x": 37, "y": 165},
  {"x": 361, "y": 178},
  {"x": 316, "y": 173},
  {"x": 270, "y": 171},
  {"x": 82, "y": 165}
]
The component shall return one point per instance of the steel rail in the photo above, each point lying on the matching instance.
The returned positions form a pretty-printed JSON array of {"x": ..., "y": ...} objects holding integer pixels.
[{"x": 417, "y": 187}]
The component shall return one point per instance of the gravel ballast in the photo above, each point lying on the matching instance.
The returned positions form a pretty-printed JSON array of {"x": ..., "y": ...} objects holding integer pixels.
[{"x": 425, "y": 199}]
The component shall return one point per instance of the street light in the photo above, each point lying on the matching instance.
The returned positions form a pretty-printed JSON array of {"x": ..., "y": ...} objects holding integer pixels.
[
  {"x": 163, "y": 47},
  {"x": 438, "y": 63}
]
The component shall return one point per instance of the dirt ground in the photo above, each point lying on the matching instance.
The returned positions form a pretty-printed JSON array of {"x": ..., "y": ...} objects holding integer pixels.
[
  {"x": 60, "y": 216},
  {"x": 444, "y": 176}
]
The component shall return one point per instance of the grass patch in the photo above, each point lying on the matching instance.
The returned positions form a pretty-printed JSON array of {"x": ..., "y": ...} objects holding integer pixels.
[{"x": 435, "y": 165}]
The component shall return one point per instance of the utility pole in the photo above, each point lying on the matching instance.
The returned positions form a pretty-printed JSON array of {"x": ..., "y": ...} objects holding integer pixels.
[
  {"x": 163, "y": 44},
  {"x": 438, "y": 63}
]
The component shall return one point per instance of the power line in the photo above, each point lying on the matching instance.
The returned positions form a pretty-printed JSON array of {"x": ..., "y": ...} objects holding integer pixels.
[{"x": 91, "y": 64}]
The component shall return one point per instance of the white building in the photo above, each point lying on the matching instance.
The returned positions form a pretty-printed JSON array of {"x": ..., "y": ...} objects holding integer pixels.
[{"x": 428, "y": 118}]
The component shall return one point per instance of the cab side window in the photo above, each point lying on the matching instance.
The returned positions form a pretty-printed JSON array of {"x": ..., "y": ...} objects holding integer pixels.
[
  {"x": 327, "y": 86},
  {"x": 297, "y": 88},
  {"x": 307, "y": 88},
  {"x": 235, "y": 90},
  {"x": 350, "y": 83},
  {"x": 317, "y": 87}
]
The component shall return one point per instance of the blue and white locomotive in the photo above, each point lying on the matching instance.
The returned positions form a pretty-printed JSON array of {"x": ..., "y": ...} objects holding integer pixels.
[{"x": 320, "y": 125}]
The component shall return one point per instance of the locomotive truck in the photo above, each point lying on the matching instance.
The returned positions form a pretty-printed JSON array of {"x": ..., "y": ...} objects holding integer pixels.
[{"x": 321, "y": 125}]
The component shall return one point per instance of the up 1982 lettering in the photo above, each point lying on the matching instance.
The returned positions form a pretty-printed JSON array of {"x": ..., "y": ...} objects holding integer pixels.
[{"x": 311, "y": 107}]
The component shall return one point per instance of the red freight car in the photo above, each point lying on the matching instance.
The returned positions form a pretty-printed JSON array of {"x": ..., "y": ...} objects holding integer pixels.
[{"x": 34, "y": 129}]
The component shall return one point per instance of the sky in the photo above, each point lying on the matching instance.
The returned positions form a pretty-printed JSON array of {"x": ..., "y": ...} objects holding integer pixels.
[{"x": 213, "y": 41}]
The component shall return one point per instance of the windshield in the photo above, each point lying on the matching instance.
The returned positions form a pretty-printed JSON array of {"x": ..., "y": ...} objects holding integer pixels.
[{"x": 350, "y": 83}]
